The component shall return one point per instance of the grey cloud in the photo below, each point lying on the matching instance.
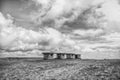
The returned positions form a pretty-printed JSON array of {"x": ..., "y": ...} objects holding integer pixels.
[
  {"x": 77, "y": 24},
  {"x": 107, "y": 48}
]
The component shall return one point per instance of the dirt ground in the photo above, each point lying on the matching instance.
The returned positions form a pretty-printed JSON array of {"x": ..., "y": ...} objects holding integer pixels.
[{"x": 37, "y": 69}]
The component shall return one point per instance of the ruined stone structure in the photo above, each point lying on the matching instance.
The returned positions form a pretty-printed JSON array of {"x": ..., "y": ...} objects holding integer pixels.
[
  {"x": 51, "y": 55},
  {"x": 48, "y": 55},
  {"x": 77, "y": 56}
]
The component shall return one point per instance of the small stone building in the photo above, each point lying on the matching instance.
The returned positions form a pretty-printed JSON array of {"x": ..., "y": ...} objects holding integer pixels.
[{"x": 51, "y": 55}]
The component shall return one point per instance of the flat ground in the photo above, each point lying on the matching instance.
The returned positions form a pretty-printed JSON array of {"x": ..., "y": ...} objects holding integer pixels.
[{"x": 37, "y": 69}]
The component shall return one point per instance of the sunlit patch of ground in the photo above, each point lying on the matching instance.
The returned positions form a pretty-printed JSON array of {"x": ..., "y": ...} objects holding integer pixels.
[{"x": 35, "y": 69}]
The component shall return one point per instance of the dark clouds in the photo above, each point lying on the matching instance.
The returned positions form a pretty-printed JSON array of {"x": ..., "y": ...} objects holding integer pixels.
[{"x": 20, "y": 10}]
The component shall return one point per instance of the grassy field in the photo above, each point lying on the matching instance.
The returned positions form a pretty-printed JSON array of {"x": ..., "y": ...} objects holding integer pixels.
[{"x": 37, "y": 69}]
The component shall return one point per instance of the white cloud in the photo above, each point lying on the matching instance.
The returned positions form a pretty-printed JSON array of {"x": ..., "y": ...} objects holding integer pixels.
[
  {"x": 87, "y": 33},
  {"x": 4, "y": 21},
  {"x": 43, "y": 2},
  {"x": 114, "y": 39},
  {"x": 17, "y": 38},
  {"x": 56, "y": 10},
  {"x": 101, "y": 55},
  {"x": 106, "y": 16},
  {"x": 111, "y": 9},
  {"x": 54, "y": 35}
]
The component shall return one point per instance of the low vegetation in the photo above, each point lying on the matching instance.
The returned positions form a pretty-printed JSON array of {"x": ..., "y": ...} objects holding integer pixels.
[{"x": 24, "y": 69}]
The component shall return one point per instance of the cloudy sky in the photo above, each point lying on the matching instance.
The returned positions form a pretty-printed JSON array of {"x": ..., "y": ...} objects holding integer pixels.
[{"x": 87, "y": 27}]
